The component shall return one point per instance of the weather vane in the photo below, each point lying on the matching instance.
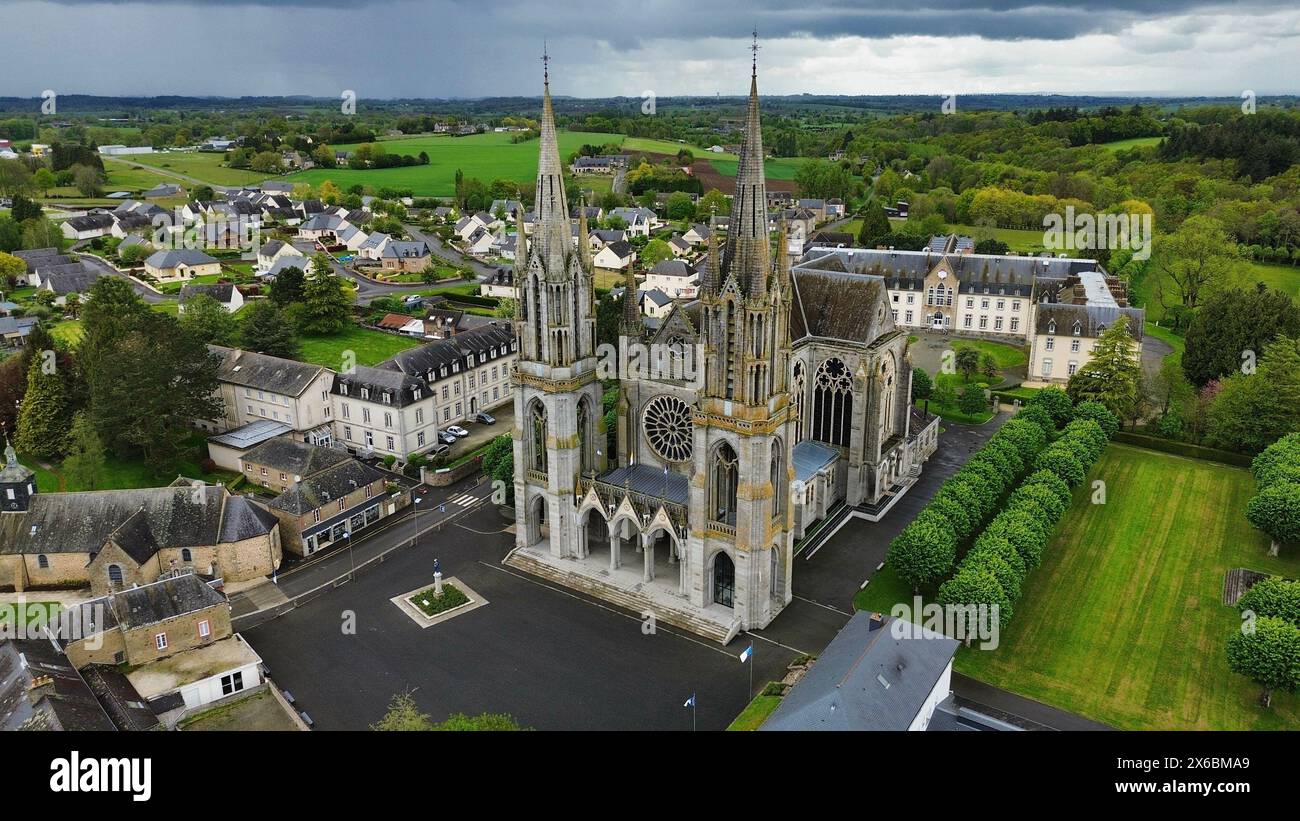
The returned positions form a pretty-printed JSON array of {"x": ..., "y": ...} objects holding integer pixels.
[
  {"x": 754, "y": 48},
  {"x": 546, "y": 64}
]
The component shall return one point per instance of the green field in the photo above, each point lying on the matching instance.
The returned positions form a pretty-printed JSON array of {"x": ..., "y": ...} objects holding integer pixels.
[
  {"x": 1284, "y": 278},
  {"x": 370, "y": 347},
  {"x": 1124, "y": 145},
  {"x": 484, "y": 156},
  {"x": 1123, "y": 621},
  {"x": 670, "y": 147},
  {"x": 1007, "y": 356},
  {"x": 782, "y": 168},
  {"x": 207, "y": 166}
]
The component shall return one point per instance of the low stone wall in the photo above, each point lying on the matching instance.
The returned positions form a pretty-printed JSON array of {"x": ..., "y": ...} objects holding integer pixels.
[{"x": 451, "y": 476}]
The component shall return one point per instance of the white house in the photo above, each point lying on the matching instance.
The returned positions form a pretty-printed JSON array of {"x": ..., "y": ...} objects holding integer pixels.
[
  {"x": 223, "y": 292},
  {"x": 677, "y": 279},
  {"x": 615, "y": 257},
  {"x": 182, "y": 263}
]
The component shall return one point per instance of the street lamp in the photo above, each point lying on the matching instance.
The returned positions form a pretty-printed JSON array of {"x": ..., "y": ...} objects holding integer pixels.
[
  {"x": 415, "y": 539},
  {"x": 347, "y": 535}
]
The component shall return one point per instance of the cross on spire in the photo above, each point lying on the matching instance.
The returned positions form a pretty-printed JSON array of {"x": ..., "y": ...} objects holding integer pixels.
[
  {"x": 546, "y": 65},
  {"x": 754, "y": 48}
]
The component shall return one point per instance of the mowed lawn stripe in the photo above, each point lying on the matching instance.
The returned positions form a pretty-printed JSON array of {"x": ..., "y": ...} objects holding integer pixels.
[{"x": 1122, "y": 622}]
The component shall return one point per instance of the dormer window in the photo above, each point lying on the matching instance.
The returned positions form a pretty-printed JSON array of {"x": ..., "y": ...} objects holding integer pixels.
[
  {"x": 388, "y": 398},
  {"x": 365, "y": 393},
  {"x": 343, "y": 389},
  {"x": 1078, "y": 328},
  {"x": 1051, "y": 326}
]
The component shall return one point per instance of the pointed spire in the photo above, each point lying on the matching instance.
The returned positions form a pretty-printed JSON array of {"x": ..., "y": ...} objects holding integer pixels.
[
  {"x": 746, "y": 256},
  {"x": 713, "y": 274},
  {"x": 584, "y": 237},
  {"x": 551, "y": 236}
]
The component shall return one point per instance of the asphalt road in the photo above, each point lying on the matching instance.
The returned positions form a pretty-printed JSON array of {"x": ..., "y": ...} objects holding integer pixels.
[{"x": 549, "y": 657}]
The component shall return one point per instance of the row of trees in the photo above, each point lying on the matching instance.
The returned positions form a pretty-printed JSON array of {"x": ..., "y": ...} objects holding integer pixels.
[
  {"x": 993, "y": 572},
  {"x": 1266, "y": 648}
]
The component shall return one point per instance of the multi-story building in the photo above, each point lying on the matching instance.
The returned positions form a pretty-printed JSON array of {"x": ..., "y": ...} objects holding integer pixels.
[
  {"x": 332, "y": 504},
  {"x": 256, "y": 387},
  {"x": 1069, "y": 315},
  {"x": 384, "y": 411},
  {"x": 466, "y": 373}
]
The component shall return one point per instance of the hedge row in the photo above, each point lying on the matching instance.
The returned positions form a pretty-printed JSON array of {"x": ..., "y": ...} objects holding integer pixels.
[
  {"x": 1275, "y": 508},
  {"x": 1187, "y": 449},
  {"x": 993, "y": 571}
]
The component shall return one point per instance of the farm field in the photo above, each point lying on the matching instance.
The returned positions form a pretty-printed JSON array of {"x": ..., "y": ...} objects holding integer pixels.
[
  {"x": 671, "y": 147},
  {"x": 1135, "y": 142},
  {"x": 1285, "y": 278},
  {"x": 1123, "y": 622},
  {"x": 206, "y": 166},
  {"x": 782, "y": 168},
  {"x": 484, "y": 156}
]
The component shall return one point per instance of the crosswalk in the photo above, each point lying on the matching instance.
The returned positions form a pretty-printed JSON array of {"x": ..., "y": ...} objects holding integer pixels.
[{"x": 464, "y": 500}]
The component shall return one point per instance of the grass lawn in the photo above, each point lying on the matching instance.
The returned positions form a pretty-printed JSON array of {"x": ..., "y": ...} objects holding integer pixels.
[
  {"x": 485, "y": 156},
  {"x": 1284, "y": 278},
  {"x": 1007, "y": 356},
  {"x": 755, "y": 713},
  {"x": 952, "y": 413},
  {"x": 201, "y": 165},
  {"x": 652, "y": 146},
  {"x": 1123, "y": 622},
  {"x": 1169, "y": 337},
  {"x": 122, "y": 473},
  {"x": 68, "y": 330},
  {"x": 370, "y": 347},
  {"x": 782, "y": 168}
]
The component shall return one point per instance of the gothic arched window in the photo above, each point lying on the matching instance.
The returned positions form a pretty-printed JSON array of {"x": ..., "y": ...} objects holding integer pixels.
[
  {"x": 798, "y": 401},
  {"x": 722, "y": 486},
  {"x": 832, "y": 403},
  {"x": 584, "y": 436},
  {"x": 780, "y": 482},
  {"x": 537, "y": 437}
]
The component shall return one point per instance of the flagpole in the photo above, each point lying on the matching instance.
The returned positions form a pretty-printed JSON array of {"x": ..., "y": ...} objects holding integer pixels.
[{"x": 693, "y": 705}]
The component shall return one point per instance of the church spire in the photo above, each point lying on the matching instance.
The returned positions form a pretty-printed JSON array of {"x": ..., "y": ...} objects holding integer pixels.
[
  {"x": 631, "y": 309},
  {"x": 747, "y": 255},
  {"x": 551, "y": 235}
]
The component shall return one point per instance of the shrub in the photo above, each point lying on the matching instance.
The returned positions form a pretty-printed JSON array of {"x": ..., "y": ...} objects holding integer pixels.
[
  {"x": 1007, "y": 450},
  {"x": 1024, "y": 534},
  {"x": 1051, "y": 481},
  {"x": 1056, "y": 402},
  {"x": 997, "y": 459},
  {"x": 957, "y": 515},
  {"x": 1284, "y": 450},
  {"x": 1269, "y": 655},
  {"x": 925, "y": 551},
  {"x": 1000, "y": 546},
  {"x": 968, "y": 496},
  {"x": 1026, "y": 436},
  {"x": 1276, "y": 511},
  {"x": 994, "y": 478},
  {"x": 1098, "y": 413},
  {"x": 1061, "y": 460},
  {"x": 973, "y": 488},
  {"x": 1275, "y": 597}
]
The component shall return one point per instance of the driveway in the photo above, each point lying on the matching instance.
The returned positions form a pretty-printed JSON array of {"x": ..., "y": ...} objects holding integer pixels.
[{"x": 147, "y": 294}]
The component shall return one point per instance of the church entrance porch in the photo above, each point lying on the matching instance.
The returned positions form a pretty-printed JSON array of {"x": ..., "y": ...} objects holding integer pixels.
[{"x": 663, "y": 595}]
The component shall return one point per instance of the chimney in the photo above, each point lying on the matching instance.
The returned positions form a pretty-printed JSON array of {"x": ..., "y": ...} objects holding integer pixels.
[
  {"x": 40, "y": 687},
  {"x": 877, "y": 622}
]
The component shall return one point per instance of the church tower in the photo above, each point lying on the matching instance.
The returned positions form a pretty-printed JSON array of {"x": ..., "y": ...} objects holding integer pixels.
[
  {"x": 557, "y": 393},
  {"x": 17, "y": 482},
  {"x": 744, "y": 425}
]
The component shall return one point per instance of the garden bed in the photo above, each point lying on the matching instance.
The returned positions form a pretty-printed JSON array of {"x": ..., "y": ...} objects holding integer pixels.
[{"x": 432, "y": 605}]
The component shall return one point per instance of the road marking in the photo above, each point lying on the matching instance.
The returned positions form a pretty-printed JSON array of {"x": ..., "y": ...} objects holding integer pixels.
[
  {"x": 658, "y": 629},
  {"x": 795, "y": 650},
  {"x": 827, "y": 606}
]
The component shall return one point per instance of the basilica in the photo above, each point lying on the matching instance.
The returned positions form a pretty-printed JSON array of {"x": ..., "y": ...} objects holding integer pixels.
[{"x": 784, "y": 414}]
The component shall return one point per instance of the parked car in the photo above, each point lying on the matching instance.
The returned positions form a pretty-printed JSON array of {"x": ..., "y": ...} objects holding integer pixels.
[
  {"x": 439, "y": 450},
  {"x": 485, "y": 418},
  {"x": 446, "y": 437},
  {"x": 457, "y": 431}
]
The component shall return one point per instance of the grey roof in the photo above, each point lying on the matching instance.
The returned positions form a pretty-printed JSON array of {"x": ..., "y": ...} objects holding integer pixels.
[
  {"x": 301, "y": 263},
  {"x": 37, "y": 253},
  {"x": 72, "y": 281},
  {"x": 140, "y": 519},
  {"x": 837, "y": 306},
  {"x": 405, "y": 248},
  {"x": 810, "y": 457},
  {"x": 293, "y": 457},
  {"x": 1092, "y": 319},
  {"x": 220, "y": 291},
  {"x": 621, "y": 248},
  {"x": 41, "y": 690},
  {"x": 401, "y": 387},
  {"x": 52, "y": 262},
  {"x": 161, "y": 600},
  {"x": 976, "y": 273},
  {"x": 254, "y": 433},
  {"x": 179, "y": 256},
  {"x": 263, "y": 372},
  {"x": 656, "y": 296},
  {"x": 867, "y": 679},
  {"x": 674, "y": 268},
  {"x": 329, "y": 485},
  {"x": 21, "y": 325},
  {"x": 426, "y": 359},
  {"x": 90, "y": 222},
  {"x": 270, "y": 248},
  {"x": 119, "y": 698},
  {"x": 165, "y": 189},
  {"x": 649, "y": 480}
]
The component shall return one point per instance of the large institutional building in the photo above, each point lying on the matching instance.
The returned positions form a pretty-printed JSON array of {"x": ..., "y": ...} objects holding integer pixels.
[{"x": 785, "y": 398}]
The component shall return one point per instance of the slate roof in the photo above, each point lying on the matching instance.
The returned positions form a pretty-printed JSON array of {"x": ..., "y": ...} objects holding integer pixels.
[
  {"x": 37, "y": 253},
  {"x": 674, "y": 268},
  {"x": 649, "y": 480},
  {"x": 428, "y": 358},
  {"x": 161, "y": 600},
  {"x": 301, "y": 263},
  {"x": 810, "y": 457},
  {"x": 90, "y": 222},
  {"x": 254, "y": 433},
  {"x": 72, "y": 281},
  {"x": 179, "y": 256},
  {"x": 401, "y": 387},
  {"x": 1092, "y": 318},
  {"x": 270, "y": 248},
  {"x": 329, "y": 485},
  {"x": 867, "y": 679},
  {"x": 293, "y": 457},
  {"x": 66, "y": 702},
  {"x": 119, "y": 698},
  {"x": 139, "y": 519},
  {"x": 837, "y": 306},
  {"x": 263, "y": 372},
  {"x": 405, "y": 249},
  {"x": 976, "y": 273}
]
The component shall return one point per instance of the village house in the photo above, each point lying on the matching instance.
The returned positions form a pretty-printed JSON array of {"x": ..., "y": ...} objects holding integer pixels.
[
  {"x": 256, "y": 387},
  {"x": 615, "y": 257},
  {"x": 223, "y": 292},
  {"x": 405, "y": 256},
  {"x": 384, "y": 411},
  {"x": 673, "y": 277},
  {"x": 329, "y": 506},
  {"x": 180, "y": 264},
  {"x": 92, "y": 225}
]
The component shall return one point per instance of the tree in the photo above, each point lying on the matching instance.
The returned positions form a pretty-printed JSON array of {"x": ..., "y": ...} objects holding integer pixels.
[
  {"x": 287, "y": 287},
  {"x": 822, "y": 179},
  {"x": 499, "y": 464},
  {"x": 483, "y": 722},
  {"x": 1268, "y": 653},
  {"x": 680, "y": 206},
  {"x": 89, "y": 181},
  {"x": 15, "y": 178},
  {"x": 43, "y": 179},
  {"x": 924, "y": 551},
  {"x": 1111, "y": 376},
  {"x": 41, "y": 233},
  {"x": 875, "y": 225},
  {"x": 714, "y": 202},
  {"x": 1063, "y": 462},
  {"x": 209, "y": 320},
  {"x": 968, "y": 362},
  {"x": 655, "y": 252},
  {"x": 1251, "y": 411},
  {"x": 24, "y": 209},
  {"x": 1057, "y": 404},
  {"x": 1278, "y": 462},
  {"x": 83, "y": 467},
  {"x": 922, "y": 385},
  {"x": 1273, "y": 596},
  {"x": 265, "y": 329},
  {"x": 505, "y": 308},
  {"x": 971, "y": 401},
  {"x": 11, "y": 267},
  {"x": 403, "y": 715},
  {"x": 975, "y": 586},
  {"x": 1099, "y": 413},
  {"x": 1232, "y": 326},
  {"x": 43, "y": 420},
  {"x": 989, "y": 367},
  {"x": 1276, "y": 511},
  {"x": 1196, "y": 258},
  {"x": 327, "y": 308}
]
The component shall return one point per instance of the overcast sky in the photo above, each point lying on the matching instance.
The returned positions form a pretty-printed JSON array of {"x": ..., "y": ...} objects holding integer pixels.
[{"x": 458, "y": 48}]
